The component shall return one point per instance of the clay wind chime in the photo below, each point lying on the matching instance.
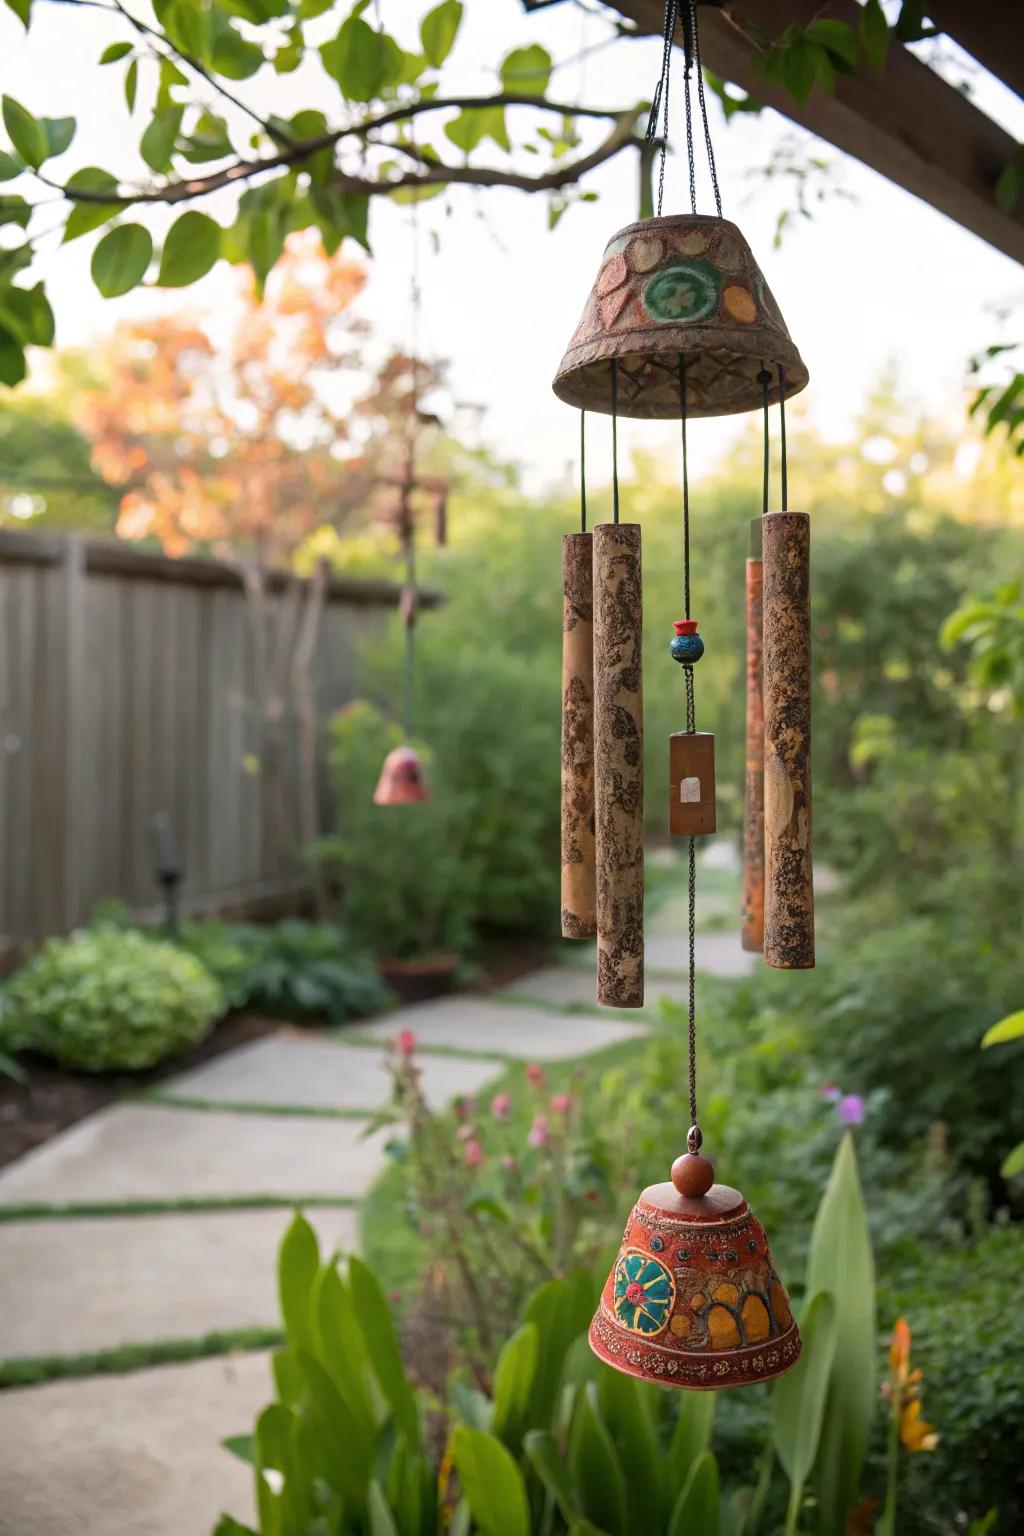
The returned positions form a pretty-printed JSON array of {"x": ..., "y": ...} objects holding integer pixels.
[{"x": 680, "y": 324}]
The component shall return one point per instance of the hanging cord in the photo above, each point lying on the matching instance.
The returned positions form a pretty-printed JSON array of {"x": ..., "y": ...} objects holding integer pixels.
[
  {"x": 764, "y": 378},
  {"x": 659, "y": 101},
  {"x": 615, "y": 441},
  {"x": 782, "y": 446},
  {"x": 695, "y": 47},
  {"x": 583, "y": 471},
  {"x": 694, "y": 1138},
  {"x": 408, "y": 522}
]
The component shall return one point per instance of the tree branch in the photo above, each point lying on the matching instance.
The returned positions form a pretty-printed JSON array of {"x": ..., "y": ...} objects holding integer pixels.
[{"x": 621, "y": 135}]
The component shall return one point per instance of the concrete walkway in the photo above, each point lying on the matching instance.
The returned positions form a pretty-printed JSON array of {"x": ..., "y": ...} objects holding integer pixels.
[{"x": 283, "y": 1117}]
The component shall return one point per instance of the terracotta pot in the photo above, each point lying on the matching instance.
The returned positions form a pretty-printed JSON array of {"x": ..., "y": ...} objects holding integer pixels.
[{"x": 414, "y": 981}]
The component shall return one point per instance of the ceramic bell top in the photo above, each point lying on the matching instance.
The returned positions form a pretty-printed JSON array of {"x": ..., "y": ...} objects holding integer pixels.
[
  {"x": 402, "y": 779},
  {"x": 693, "y": 1299},
  {"x": 686, "y": 285}
]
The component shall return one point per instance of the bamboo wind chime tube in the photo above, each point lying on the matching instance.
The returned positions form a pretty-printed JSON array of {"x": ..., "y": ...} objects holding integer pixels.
[
  {"x": 579, "y": 893},
  {"x": 789, "y": 887},
  {"x": 619, "y": 764},
  {"x": 752, "y": 931}
]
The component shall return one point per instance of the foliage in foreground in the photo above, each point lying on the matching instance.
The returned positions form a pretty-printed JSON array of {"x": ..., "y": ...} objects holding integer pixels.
[
  {"x": 103, "y": 1001},
  {"x": 555, "y": 1441}
]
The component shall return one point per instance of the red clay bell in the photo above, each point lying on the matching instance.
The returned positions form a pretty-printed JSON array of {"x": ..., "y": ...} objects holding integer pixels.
[
  {"x": 693, "y": 1299},
  {"x": 402, "y": 779}
]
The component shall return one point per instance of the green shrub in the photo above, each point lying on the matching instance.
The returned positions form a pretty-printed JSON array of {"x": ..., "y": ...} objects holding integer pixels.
[{"x": 109, "y": 1000}]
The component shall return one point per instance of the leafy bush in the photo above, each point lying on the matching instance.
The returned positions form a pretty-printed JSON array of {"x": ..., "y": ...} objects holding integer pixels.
[{"x": 109, "y": 1000}]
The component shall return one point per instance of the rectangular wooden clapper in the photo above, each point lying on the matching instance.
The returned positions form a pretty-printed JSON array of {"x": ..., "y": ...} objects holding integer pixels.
[{"x": 691, "y": 767}]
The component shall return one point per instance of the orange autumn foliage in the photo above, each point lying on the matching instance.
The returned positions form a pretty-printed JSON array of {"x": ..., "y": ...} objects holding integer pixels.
[{"x": 242, "y": 447}]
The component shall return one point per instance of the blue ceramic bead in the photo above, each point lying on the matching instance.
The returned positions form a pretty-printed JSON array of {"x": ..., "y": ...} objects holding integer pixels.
[{"x": 687, "y": 648}]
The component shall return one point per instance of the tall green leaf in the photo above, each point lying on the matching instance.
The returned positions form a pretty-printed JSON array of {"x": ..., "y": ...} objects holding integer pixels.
[
  {"x": 798, "y": 1400},
  {"x": 338, "y": 1341},
  {"x": 297, "y": 1264},
  {"x": 626, "y": 1409},
  {"x": 1010, "y": 1028},
  {"x": 561, "y": 1310},
  {"x": 596, "y": 1469},
  {"x": 691, "y": 1436},
  {"x": 841, "y": 1261},
  {"x": 382, "y": 1521},
  {"x": 542, "y": 1450},
  {"x": 491, "y": 1482},
  {"x": 120, "y": 260},
  {"x": 378, "y": 1330},
  {"x": 697, "y": 1511},
  {"x": 514, "y": 1377}
]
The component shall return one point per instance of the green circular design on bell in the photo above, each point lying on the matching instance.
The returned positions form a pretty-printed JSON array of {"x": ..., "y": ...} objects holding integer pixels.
[
  {"x": 645, "y": 1313},
  {"x": 688, "y": 291}
]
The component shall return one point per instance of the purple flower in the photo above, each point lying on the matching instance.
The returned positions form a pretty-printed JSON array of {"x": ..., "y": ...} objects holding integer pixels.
[
  {"x": 830, "y": 1092},
  {"x": 850, "y": 1109},
  {"x": 538, "y": 1136}
]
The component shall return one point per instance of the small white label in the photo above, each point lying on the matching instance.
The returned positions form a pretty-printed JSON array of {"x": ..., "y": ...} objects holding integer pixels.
[{"x": 689, "y": 791}]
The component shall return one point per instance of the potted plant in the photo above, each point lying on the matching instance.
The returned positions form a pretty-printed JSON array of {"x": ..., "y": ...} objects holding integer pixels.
[{"x": 405, "y": 884}]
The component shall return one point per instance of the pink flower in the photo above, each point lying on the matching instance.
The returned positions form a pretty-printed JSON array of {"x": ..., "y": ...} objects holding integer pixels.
[
  {"x": 500, "y": 1106},
  {"x": 538, "y": 1136},
  {"x": 510, "y": 1163},
  {"x": 535, "y": 1075},
  {"x": 474, "y": 1154},
  {"x": 830, "y": 1092},
  {"x": 405, "y": 1042},
  {"x": 850, "y": 1109},
  {"x": 561, "y": 1103},
  {"x": 465, "y": 1133}
]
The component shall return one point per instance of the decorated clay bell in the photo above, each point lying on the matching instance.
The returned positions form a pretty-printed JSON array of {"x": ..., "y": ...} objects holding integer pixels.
[
  {"x": 688, "y": 287},
  {"x": 402, "y": 779},
  {"x": 693, "y": 1299}
]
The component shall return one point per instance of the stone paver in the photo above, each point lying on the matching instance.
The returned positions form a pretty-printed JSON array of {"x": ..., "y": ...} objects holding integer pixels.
[
  {"x": 474, "y": 1024},
  {"x": 147, "y": 1151},
  {"x": 135, "y": 1455},
  {"x": 717, "y": 954},
  {"x": 568, "y": 985},
  {"x": 290, "y": 1068},
  {"x": 147, "y": 1277}
]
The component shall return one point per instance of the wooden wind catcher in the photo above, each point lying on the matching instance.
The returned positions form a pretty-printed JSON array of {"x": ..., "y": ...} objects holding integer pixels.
[{"x": 681, "y": 324}]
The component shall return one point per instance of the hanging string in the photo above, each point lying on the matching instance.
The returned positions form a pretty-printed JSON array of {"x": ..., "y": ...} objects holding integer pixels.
[
  {"x": 782, "y": 425},
  {"x": 694, "y": 1135},
  {"x": 615, "y": 441},
  {"x": 408, "y": 524},
  {"x": 583, "y": 471},
  {"x": 686, "y": 489},
  {"x": 659, "y": 101},
  {"x": 764, "y": 378},
  {"x": 695, "y": 33}
]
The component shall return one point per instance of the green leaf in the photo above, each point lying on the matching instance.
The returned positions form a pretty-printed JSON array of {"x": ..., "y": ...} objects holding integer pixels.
[
  {"x": 874, "y": 31},
  {"x": 542, "y": 1451},
  {"x": 131, "y": 84},
  {"x": 21, "y": 9},
  {"x": 382, "y": 1521},
  {"x": 299, "y": 1257},
  {"x": 1010, "y": 1028},
  {"x": 361, "y": 60},
  {"x": 595, "y": 1466},
  {"x": 438, "y": 31},
  {"x": 12, "y": 359},
  {"x": 526, "y": 71},
  {"x": 120, "y": 260},
  {"x": 59, "y": 133},
  {"x": 14, "y": 210},
  {"x": 208, "y": 140},
  {"x": 115, "y": 51},
  {"x": 190, "y": 250},
  {"x": 157, "y": 143},
  {"x": 475, "y": 124},
  {"x": 1013, "y": 1165},
  {"x": 10, "y": 166},
  {"x": 691, "y": 1436},
  {"x": 561, "y": 1310},
  {"x": 381, "y": 1340},
  {"x": 697, "y": 1509},
  {"x": 231, "y": 55},
  {"x": 838, "y": 37},
  {"x": 242, "y": 1446},
  {"x": 841, "y": 1261},
  {"x": 491, "y": 1482},
  {"x": 514, "y": 1377},
  {"x": 86, "y": 216},
  {"x": 27, "y": 134},
  {"x": 349, "y": 1441},
  {"x": 798, "y": 1400},
  {"x": 626, "y": 1409},
  {"x": 799, "y": 68},
  {"x": 26, "y": 314}
]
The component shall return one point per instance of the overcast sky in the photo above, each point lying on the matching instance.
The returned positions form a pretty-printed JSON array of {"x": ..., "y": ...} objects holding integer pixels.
[{"x": 876, "y": 278}]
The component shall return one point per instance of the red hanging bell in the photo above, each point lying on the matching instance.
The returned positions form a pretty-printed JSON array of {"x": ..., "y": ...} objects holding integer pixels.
[
  {"x": 693, "y": 1299},
  {"x": 402, "y": 779}
]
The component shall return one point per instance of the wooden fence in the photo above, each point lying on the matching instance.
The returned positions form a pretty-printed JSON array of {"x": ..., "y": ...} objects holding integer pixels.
[{"x": 128, "y": 687}]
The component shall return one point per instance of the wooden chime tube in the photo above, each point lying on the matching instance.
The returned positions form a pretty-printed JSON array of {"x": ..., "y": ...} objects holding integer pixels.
[
  {"x": 579, "y": 892},
  {"x": 788, "y": 886},
  {"x": 619, "y": 764},
  {"x": 752, "y": 930}
]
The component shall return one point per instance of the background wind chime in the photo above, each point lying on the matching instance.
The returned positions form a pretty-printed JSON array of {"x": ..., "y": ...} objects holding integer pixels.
[{"x": 680, "y": 323}]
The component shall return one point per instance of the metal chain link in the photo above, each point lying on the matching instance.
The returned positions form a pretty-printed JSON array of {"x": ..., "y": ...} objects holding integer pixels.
[{"x": 703, "y": 109}]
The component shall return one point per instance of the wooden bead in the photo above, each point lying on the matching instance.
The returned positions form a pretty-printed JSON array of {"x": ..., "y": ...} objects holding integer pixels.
[{"x": 693, "y": 1175}]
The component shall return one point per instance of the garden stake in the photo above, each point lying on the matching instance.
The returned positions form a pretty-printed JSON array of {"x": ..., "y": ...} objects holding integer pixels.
[{"x": 681, "y": 323}]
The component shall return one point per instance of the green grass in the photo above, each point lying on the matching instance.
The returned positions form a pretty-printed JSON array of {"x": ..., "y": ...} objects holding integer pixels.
[
  {"x": 31, "y": 1370},
  {"x": 234, "y": 1107},
  {"x": 77, "y": 1210}
]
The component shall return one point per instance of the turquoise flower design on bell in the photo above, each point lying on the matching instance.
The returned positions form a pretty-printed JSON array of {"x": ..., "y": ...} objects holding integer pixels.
[{"x": 643, "y": 1293}]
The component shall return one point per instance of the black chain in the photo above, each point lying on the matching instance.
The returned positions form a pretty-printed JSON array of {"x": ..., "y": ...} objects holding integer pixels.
[
  {"x": 703, "y": 110},
  {"x": 659, "y": 101}
]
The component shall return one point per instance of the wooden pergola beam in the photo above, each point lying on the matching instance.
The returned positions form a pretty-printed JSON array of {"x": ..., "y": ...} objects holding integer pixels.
[{"x": 906, "y": 122}]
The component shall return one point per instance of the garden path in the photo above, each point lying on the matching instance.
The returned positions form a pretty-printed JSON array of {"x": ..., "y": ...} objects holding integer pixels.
[{"x": 148, "y": 1232}]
